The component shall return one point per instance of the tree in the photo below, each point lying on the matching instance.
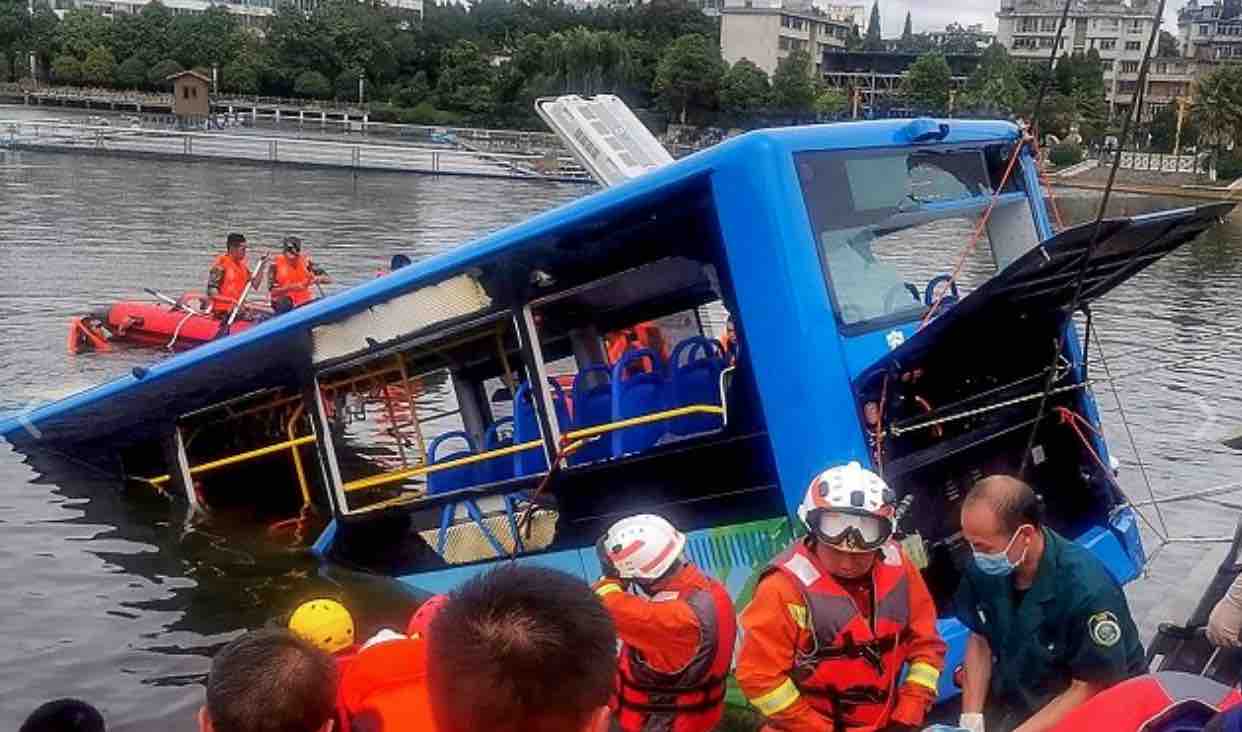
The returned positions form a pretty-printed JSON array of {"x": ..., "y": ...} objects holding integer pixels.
[
  {"x": 466, "y": 78},
  {"x": 1163, "y": 130},
  {"x": 688, "y": 75},
  {"x": 907, "y": 33},
  {"x": 995, "y": 87},
  {"x": 66, "y": 69},
  {"x": 98, "y": 67},
  {"x": 5, "y": 70},
  {"x": 744, "y": 90},
  {"x": 240, "y": 77},
  {"x": 793, "y": 90},
  {"x": 159, "y": 73},
  {"x": 830, "y": 103},
  {"x": 873, "y": 41},
  {"x": 926, "y": 87},
  {"x": 131, "y": 74},
  {"x": 1168, "y": 46},
  {"x": 83, "y": 31},
  {"x": 1218, "y": 111},
  {"x": 346, "y": 85},
  {"x": 44, "y": 38},
  {"x": 312, "y": 85}
]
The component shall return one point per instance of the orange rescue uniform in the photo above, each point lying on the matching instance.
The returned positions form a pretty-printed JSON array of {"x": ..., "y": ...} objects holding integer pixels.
[
  {"x": 293, "y": 278},
  {"x": 227, "y": 283},
  {"x": 384, "y": 688},
  {"x": 644, "y": 335},
  {"x": 778, "y": 632},
  {"x": 676, "y": 652}
]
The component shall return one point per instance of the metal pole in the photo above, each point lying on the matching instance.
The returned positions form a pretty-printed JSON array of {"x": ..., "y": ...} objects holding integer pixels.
[{"x": 361, "y": 87}]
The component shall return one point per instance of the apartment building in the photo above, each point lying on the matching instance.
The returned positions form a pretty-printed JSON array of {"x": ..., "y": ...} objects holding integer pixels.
[
  {"x": 958, "y": 37},
  {"x": 1118, "y": 29},
  {"x": 767, "y": 34},
  {"x": 1211, "y": 31}
]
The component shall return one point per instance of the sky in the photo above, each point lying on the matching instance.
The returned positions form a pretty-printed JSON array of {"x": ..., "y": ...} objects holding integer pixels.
[{"x": 936, "y": 14}]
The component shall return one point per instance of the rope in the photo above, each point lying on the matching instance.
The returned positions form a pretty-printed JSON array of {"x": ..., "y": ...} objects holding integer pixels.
[
  {"x": 1046, "y": 183},
  {"x": 975, "y": 237},
  {"x": 177, "y": 331},
  {"x": 1125, "y": 421},
  {"x": 1081, "y": 280}
]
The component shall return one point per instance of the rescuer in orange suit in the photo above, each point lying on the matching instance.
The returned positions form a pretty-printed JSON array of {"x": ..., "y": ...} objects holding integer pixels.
[
  {"x": 644, "y": 335},
  {"x": 838, "y": 616},
  {"x": 676, "y": 626},
  {"x": 228, "y": 277},
  {"x": 384, "y": 687},
  {"x": 292, "y": 276}
]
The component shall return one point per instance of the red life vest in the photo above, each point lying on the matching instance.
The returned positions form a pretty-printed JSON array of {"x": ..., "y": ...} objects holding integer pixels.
[
  {"x": 236, "y": 275},
  {"x": 1142, "y": 703},
  {"x": 852, "y": 670},
  {"x": 692, "y": 699},
  {"x": 293, "y": 278},
  {"x": 384, "y": 688}
]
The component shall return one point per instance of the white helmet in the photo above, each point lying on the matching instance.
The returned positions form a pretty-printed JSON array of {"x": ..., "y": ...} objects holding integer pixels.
[
  {"x": 849, "y": 507},
  {"x": 642, "y": 547}
]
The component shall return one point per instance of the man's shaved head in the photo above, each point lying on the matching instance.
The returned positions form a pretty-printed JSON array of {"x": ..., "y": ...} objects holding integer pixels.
[{"x": 1011, "y": 501}]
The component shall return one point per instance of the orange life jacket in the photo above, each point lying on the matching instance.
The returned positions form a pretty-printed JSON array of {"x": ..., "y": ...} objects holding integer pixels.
[
  {"x": 644, "y": 335},
  {"x": 692, "y": 699},
  {"x": 236, "y": 275},
  {"x": 1142, "y": 703},
  {"x": 852, "y": 671},
  {"x": 293, "y": 278},
  {"x": 384, "y": 688}
]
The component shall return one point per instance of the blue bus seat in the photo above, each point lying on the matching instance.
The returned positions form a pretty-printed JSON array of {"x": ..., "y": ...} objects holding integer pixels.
[
  {"x": 696, "y": 382},
  {"x": 443, "y": 481},
  {"x": 592, "y": 406},
  {"x": 498, "y": 436},
  {"x": 526, "y": 427},
  {"x": 633, "y": 396}
]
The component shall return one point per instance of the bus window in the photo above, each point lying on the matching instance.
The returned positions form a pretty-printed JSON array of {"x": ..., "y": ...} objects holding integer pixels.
[{"x": 634, "y": 348}]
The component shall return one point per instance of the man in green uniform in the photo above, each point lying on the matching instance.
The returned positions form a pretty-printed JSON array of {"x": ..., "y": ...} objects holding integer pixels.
[{"x": 1050, "y": 626}]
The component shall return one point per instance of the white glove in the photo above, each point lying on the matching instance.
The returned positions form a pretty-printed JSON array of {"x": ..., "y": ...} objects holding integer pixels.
[{"x": 972, "y": 721}]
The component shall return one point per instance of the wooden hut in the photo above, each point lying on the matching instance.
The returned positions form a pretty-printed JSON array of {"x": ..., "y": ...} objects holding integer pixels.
[{"x": 191, "y": 98}]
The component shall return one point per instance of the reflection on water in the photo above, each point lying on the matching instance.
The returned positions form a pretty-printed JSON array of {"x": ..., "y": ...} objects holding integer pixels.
[{"x": 114, "y": 598}]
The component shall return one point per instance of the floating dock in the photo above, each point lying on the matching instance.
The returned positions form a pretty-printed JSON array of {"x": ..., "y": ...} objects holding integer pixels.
[{"x": 142, "y": 142}]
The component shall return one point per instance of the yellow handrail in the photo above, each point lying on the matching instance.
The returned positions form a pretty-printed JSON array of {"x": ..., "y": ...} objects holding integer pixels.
[
  {"x": 238, "y": 458},
  {"x": 575, "y": 436},
  {"x": 399, "y": 475}
]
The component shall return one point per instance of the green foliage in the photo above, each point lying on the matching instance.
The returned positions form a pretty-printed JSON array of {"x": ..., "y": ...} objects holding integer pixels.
[
  {"x": 907, "y": 33},
  {"x": 466, "y": 80},
  {"x": 131, "y": 74},
  {"x": 793, "y": 89},
  {"x": 82, "y": 31},
  {"x": 995, "y": 88},
  {"x": 1218, "y": 109},
  {"x": 744, "y": 90},
  {"x": 1065, "y": 154},
  {"x": 98, "y": 67},
  {"x": 1163, "y": 130},
  {"x": 1229, "y": 166},
  {"x": 830, "y": 103},
  {"x": 66, "y": 69},
  {"x": 688, "y": 75},
  {"x": 1168, "y": 46},
  {"x": 159, "y": 73},
  {"x": 926, "y": 87},
  {"x": 346, "y": 84},
  {"x": 6, "y": 70},
  {"x": 313, "y": 85},
  {"x": 240, "y": 76}
]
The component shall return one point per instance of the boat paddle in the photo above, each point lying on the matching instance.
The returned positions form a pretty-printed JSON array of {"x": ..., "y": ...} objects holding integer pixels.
[
  {"x": 161, "y": 297},
  {"x": 241, "y": 301}
]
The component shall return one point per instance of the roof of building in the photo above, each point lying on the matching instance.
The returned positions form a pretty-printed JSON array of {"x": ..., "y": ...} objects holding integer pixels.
[{"x": 188, "y": 72}]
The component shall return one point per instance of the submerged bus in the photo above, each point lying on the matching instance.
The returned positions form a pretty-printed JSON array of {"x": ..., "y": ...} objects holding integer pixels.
[{"x": 897, "y": 293}]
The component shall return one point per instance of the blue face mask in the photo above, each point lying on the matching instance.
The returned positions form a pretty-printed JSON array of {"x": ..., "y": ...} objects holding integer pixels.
[{"x": 998, "y": 564}]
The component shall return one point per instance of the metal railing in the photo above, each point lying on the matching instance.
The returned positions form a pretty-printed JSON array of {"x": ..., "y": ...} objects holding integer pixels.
[{"x": 358, "y": 155}]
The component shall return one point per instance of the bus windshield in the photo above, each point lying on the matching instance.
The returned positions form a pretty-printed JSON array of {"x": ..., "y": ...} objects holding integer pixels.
[{"x": 891, "y": 224}]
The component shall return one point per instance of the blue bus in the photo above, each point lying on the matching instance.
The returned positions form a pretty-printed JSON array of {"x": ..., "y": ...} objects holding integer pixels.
[{"x": 698, "y": 342}]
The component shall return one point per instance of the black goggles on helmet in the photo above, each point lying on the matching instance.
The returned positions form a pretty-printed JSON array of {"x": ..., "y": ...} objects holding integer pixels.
[{"x": 852, "y": 531}]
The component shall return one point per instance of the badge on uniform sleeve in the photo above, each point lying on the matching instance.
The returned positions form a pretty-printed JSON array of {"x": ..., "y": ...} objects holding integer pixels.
[{"x": 1104, "y": 629}]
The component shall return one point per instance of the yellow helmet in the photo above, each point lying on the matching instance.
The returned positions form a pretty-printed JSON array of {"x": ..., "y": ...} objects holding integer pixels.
[{"x": 324, "y": 623}]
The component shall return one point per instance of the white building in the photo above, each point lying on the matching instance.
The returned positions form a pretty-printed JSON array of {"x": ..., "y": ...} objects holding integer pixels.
[
  {"x": 1211, "y": 31},
  {"x": 765, "y": 35},
  {"x": 855, "y": 15},
  {"x": 959, "y": 36},
  {"x": 1117, "y": 29}
]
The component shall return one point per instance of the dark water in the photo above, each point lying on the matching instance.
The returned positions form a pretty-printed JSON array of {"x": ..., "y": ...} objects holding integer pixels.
[{"x": 109, "y": 595}]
